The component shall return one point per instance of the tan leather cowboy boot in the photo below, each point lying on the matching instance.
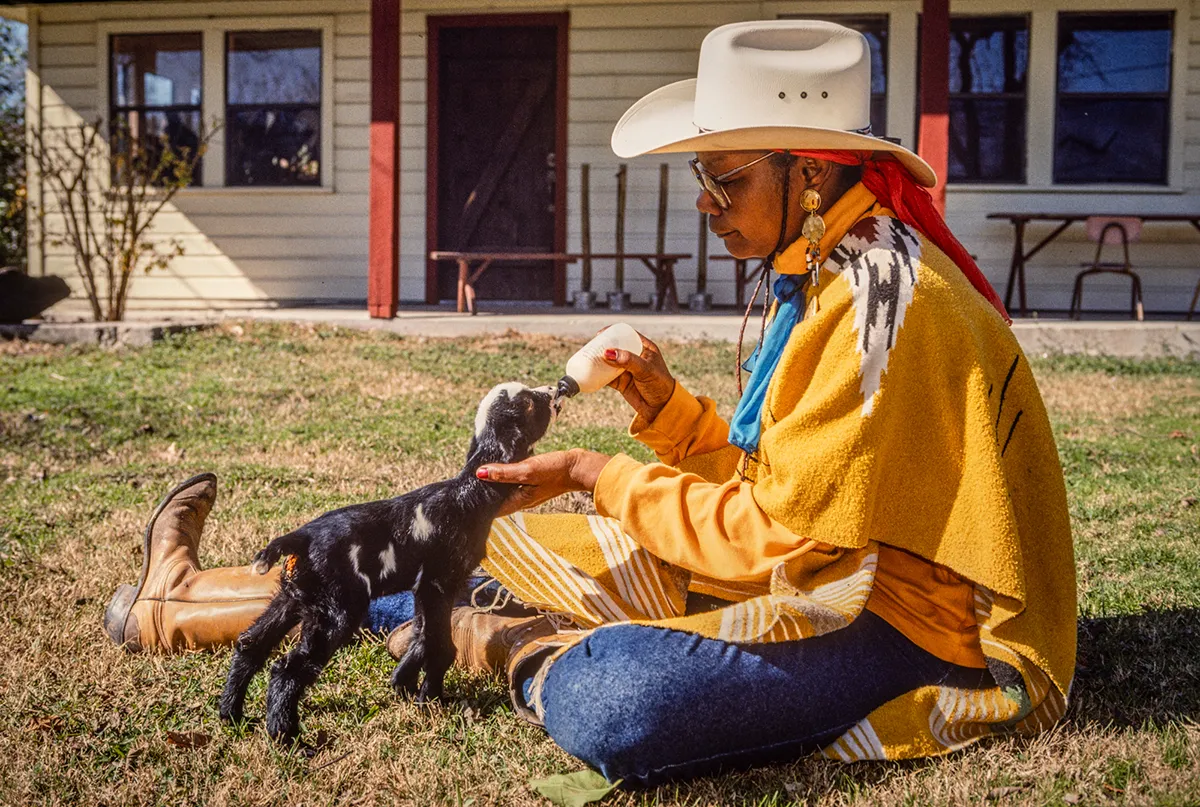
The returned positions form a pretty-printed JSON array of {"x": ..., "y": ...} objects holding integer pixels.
[
  {"x": 483, "y": 640},
  {"x": 176, "y": 606}
]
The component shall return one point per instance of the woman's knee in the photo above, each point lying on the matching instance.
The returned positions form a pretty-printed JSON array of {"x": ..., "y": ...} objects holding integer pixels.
[{"x": 606, "y": 702}]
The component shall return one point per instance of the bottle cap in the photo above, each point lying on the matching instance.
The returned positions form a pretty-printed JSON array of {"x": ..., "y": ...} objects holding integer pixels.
[{"x": 567, "y": 387}]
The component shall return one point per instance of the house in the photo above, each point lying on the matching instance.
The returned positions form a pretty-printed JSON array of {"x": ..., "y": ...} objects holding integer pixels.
[{"x": 360, "y": 134}]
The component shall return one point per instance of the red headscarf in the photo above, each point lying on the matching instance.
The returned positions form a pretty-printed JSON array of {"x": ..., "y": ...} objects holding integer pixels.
[{"x": 895, "y": 188}]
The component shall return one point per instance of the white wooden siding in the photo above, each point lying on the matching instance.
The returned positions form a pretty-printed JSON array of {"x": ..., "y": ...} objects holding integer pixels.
[{"x": 247, "y": 245}]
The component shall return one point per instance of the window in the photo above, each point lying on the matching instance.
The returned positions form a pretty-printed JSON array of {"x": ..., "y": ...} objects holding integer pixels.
[
  {"x": 989, "y": 59},
  {"x": 155, "y": 90},
  {"x": 1114, "y": 97},
  {"x": 273, "y": 108},
  {"x": 875, "y": 28}
]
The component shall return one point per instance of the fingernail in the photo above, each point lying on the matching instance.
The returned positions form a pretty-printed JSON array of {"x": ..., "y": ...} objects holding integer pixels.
[
  {"x": 481, "y": 473},
  {"x": 610, "y": 353}
]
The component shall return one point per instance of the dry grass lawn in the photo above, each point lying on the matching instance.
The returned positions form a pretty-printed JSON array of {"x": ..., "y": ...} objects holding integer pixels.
[{"x": 297, "y": 420}]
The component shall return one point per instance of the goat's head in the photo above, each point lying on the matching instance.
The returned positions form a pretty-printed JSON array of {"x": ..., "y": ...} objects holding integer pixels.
[{"x": 511, "y": 419}]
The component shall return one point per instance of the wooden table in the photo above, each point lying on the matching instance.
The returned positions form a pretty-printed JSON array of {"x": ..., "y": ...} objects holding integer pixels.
[
  {"x": 482, "y": 260},
  {"x": 471, "y": 265},
  {"x": 741, "y": 275},
  {"x": 660, "y": 264},
  {"x": 1016, "y": 272}
]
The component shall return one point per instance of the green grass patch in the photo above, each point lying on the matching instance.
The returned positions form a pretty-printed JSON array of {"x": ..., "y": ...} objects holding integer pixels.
[{"x": 298, "y": 420}]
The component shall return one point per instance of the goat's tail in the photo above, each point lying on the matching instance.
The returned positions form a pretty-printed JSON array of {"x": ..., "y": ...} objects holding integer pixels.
[{"x": 294, "y": 543}]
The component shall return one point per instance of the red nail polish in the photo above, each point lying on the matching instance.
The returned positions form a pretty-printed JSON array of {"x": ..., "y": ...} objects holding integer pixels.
[
  {"x": 482, "y": 473},
  {"x": 610, "y": 354}
]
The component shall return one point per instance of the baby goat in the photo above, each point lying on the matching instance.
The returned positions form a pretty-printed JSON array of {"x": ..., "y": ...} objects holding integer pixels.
[{"x": 428, "y": 540}]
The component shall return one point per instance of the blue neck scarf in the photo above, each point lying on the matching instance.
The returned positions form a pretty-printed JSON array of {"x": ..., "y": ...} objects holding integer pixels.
[{"x": 746, "y": 426}]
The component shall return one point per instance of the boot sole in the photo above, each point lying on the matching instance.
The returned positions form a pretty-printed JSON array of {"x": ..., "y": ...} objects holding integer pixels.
[{"x": 117, "y": 612}]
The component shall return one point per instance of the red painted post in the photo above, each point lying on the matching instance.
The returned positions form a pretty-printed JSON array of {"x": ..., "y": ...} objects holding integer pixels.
[
  {"x": 934, "y": 137},
  {"x": 383, "y": 284}
]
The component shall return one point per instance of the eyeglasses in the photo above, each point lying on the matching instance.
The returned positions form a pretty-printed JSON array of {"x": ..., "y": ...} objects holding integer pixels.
[{"x": 713, "y": 184}]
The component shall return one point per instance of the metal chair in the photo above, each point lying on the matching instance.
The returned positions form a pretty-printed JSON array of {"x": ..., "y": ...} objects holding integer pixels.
[{"x": 1111, "y": 231}]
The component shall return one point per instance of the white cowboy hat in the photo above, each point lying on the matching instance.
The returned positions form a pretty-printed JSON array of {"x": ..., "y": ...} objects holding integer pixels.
[{"x": 774, "y": 84}]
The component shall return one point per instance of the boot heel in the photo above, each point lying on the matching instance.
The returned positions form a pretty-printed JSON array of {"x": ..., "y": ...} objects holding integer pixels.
[{"x": 117, "y": 613}]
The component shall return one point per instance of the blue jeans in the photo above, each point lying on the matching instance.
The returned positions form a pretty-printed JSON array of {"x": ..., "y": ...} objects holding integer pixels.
[{"x": 649, "y": 705}]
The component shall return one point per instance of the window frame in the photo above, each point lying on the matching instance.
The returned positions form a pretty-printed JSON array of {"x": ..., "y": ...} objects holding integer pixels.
[
  {"x": 323, "y": 101},
  {"x": 213, "y": 89},
  {"x": 144, "y": 108},
  {"x": 1041, "y": 85},
  {"x": 1001, "y": 96}
]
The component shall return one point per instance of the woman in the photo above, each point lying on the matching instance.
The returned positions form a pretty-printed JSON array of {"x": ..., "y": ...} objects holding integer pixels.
[{"x": 882, "y": 526}]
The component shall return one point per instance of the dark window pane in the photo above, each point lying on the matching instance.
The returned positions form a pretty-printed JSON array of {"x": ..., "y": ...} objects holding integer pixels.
[
  {"x": 155, "y": 96},
  {"x": 989, "y": 60},
  {"x": 987, "y": 140},
  {"x": 988, "y": 54},
  {"x": 1111, "y": 140},
  {"x": 155, "y": 131},
  {"x": 1114, "y": 53},
  {"x": 274, "y": 67},
  {"x": 273, "y": 146},
  {"x": 273, "y": 108},
  {"x": 1113, "y": 118},
  {"x": 156, "y": 69}
]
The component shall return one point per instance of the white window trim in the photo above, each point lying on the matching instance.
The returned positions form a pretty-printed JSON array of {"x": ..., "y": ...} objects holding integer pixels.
[
  {"x": 212, "y": 94},
  {"x": 1041, "y": 86}
]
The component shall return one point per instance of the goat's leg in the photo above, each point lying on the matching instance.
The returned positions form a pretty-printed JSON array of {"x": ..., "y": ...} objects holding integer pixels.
[
  {"x": 438, "y": 642},
  {"x": 252, "y": 650},
  {"x": 404, "y": 677},
  {"x": 321, "y": 635}
]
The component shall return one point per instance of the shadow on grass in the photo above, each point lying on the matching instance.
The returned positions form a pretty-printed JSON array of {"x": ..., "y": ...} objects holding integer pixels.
[{"x": 1138, "y": 669}]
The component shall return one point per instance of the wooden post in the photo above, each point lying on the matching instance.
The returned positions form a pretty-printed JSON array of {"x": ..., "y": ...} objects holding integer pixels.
[
  {"x": 619, "y": 274},
  {"x": 934, "y": 136},
  {"x": 383, "y": 261},
  {"x": 585, "y": 226},
  {"x": 664, "y": 178},
  {"x": 702, "y": 256}
]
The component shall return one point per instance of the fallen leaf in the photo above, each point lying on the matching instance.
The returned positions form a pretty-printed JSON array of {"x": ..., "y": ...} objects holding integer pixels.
[
  {"x": 188, "y": 739},
  {"x": 1072, "y": 798},
  {"x": 1178, "y": 435},
  {"x": 574, "y": 789},
  {"x": 1188, "y": 501},
  {"x": 1008, "y": 790},
  {"x": 50, "y": 723}
]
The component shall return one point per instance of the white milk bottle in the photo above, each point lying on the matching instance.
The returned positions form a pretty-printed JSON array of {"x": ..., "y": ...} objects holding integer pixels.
[{"x": 587, "y": 371}]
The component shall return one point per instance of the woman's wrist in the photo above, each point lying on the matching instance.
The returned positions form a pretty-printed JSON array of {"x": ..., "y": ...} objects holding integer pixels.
[{"x": 585, "y": 468}]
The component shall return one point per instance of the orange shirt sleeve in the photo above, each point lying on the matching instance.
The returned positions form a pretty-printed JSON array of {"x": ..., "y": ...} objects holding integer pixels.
[
  {"x": 711, "y": 528},
  {"x": 689, "y": 434}
]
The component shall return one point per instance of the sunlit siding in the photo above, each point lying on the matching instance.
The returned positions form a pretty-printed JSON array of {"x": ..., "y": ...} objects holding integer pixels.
[
  {"x": 280, "y": 245},
  {"x": 243, "y": 246}
]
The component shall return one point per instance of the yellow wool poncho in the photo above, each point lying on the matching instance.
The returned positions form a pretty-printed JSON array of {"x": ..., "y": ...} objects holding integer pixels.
[{"x": 903, "y": 413}]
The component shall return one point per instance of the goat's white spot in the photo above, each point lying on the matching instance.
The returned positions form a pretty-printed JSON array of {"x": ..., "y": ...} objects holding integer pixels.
[
  {"x": 417, "y": 579},
  {"x": 421, "y": 527},
  {"x": 387, "y": 560},
  {"x": 354, "y": 550},
  {"x": 510, "y": 387}
]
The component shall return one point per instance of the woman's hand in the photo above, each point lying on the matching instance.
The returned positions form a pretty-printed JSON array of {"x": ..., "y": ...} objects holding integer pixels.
[
  {"x": 544, "y": 476},
  {"x": 647, "y": 384}
]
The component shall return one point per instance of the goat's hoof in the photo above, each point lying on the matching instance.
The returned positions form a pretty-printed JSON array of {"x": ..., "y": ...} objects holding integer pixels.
[
  {"x": 404, "y": 685},
  {"x": 426, "y": 697},
  {"x": 231, "y": 715}
]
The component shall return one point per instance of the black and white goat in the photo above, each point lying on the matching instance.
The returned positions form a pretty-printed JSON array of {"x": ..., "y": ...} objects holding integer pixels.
[{"x": 427, "y": 541}]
